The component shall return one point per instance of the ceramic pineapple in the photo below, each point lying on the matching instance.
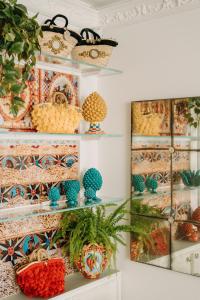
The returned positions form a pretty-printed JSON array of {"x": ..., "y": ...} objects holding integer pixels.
[{"x": 94, "y": 111}]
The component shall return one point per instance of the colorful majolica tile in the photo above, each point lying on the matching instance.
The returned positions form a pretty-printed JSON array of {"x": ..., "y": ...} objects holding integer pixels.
[{"x": 29, "y": 171}]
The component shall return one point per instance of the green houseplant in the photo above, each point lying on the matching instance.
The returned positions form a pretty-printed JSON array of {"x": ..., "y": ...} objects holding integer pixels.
[
  {"x": 19, "y": 35},
  {"x": 90, "y": 236}
]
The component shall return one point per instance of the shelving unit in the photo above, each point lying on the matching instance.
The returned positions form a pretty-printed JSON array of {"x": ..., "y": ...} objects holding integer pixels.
[{"x": 43, "y": 219}]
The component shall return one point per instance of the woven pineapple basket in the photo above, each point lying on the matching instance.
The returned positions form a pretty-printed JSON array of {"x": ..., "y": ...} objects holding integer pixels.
[
  {"x": 58, "y": 41},
  {"x": 92, "y": 49}
]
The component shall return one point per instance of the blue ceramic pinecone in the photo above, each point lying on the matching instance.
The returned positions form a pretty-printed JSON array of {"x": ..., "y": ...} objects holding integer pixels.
[
  {"x": 138, "y": 183},
  {"x": 72, "y": 189},
  {"x": 54, "y": 195},
  {"x": 151, "y": 184},
  {"x": 92, "y": 182}
]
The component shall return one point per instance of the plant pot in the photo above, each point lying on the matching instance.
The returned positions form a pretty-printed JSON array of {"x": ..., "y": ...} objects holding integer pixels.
[{"x": 93, "y": 261}]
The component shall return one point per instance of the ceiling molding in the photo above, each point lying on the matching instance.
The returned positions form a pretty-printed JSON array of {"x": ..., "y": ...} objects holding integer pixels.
[
  {"x": 128, "y": 12},
  {"x": 79, "y": 14}
]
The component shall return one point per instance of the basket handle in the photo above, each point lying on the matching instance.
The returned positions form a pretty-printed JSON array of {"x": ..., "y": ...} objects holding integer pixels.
[
  {"x": 87, "y": 32},
  {"x": 47, "y": 22},
  {"x": 51, "y": 22},
  {"x": 39, "y": 255}
]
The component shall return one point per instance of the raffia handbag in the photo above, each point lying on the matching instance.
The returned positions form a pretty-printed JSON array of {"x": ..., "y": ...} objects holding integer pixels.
[
  {"x": 42, "y": 276},
  {"x": 92, "y": 49},
  {"x": 57, "y": 40},
  {"x": 52, "y": 117}
]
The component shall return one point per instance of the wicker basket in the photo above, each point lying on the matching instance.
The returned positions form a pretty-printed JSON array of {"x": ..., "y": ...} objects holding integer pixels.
[
  {"x": 56, "y": 40},
  {"x": 56, "y": 118},
  {"x": 93, "y": 50}
]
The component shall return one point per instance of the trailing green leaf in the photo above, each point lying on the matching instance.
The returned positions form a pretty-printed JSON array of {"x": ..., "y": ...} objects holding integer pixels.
[{"x": 19, "y": 35}]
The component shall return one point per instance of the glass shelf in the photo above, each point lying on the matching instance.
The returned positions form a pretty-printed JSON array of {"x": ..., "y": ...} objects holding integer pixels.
[
  {"x": 37, "y": 136},
  {"x": 163, "y": 192},
  {"x": 148, "y": 195},
  {"x": 60, "y": 63},
  {"x": 23, "y": 212},
  {"x": 75, "y": 284},
  {"x": 167, "y": 137}
]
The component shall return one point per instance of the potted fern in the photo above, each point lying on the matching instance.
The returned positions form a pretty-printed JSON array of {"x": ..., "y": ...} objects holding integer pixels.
[
  {"x": 19, "y": 35},
  {"x": 90, "y": 237}
]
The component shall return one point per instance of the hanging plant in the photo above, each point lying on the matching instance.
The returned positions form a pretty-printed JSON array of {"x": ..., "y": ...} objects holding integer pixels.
[
  {"x": 193, "y": 116},
  {"x": 19, "y": 35}
]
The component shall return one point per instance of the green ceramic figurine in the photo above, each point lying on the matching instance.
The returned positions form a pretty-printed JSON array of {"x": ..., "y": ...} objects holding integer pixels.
[
  {"x": 190, "y": 178},
  {"x": 54, "y": 196},
  {"x": 72, "y": 189},
  {"x": 151, "y": 184},
  {"x": 92, "y": 182},
  {"x": 138, "y": 184}
]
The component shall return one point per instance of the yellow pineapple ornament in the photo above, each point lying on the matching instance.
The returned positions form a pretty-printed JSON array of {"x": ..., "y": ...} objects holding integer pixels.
[{"x": 94, "y": 110}]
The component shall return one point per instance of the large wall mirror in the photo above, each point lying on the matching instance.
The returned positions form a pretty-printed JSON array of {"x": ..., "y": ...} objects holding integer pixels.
[{"x": 166, "y": 184}]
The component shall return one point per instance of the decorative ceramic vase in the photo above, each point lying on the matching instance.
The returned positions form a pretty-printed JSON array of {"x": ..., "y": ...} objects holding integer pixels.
[
  {"x": 95, "y": 128},
  {"x": 93, "y": 261}
]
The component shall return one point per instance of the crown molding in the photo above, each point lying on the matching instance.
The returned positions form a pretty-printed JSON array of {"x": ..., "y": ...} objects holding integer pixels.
[
  {"x": 80, "y": 14},
  {"x": 128, "y": 12}
]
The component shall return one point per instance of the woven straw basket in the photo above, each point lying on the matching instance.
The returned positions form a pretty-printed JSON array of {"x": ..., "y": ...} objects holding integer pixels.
[
  {"x": 56, "y": 118},
  {"x": 56, "y": 40},
  {"x": 93, "y": 50}
]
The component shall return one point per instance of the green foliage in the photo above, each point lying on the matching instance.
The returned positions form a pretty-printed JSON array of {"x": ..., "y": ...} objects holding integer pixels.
[
  {"x": 193, "y": 116},
  {"x": 92, "y": 225},
  {"x": 190, "y": 178},
  {"x": 18, "y": 41},
  {"x": 143, "y": 209}
]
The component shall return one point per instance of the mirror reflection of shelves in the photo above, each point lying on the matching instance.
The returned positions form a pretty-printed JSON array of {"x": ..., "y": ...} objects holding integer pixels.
[{"x": 39, "y": 210}]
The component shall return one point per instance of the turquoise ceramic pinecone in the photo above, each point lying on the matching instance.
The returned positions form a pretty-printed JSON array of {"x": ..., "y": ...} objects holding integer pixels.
[
  {"x": 72, "y": 189},
  {"x": 138, "y": 183},
  {"x": 54, "y": 196},
  {"x": 92, "y": 182}
]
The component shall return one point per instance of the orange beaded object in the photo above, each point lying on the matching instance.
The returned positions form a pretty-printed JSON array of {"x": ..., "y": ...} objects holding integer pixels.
[
  {"x": 42, "y": 278},
  {"x": 94, "y": 111}
]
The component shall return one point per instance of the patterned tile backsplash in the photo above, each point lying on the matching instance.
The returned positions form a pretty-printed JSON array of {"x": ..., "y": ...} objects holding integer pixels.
[{"x": 27, "y": 173}]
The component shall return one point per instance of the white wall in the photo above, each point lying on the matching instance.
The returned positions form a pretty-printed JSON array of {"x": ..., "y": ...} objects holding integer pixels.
[{"x": 160, "y": 59}]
